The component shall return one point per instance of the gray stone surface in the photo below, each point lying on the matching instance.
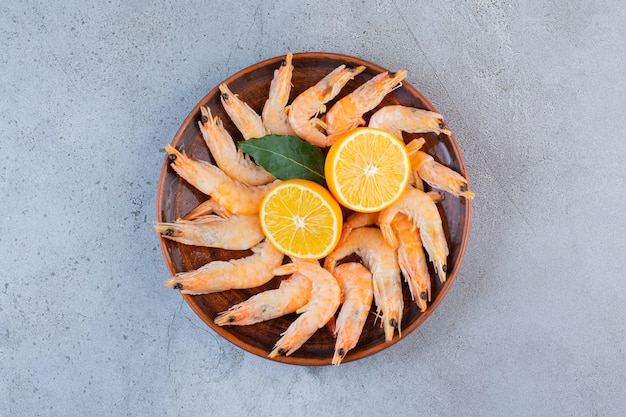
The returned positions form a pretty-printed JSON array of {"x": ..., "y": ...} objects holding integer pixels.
[{"x": 91, "y": 91}]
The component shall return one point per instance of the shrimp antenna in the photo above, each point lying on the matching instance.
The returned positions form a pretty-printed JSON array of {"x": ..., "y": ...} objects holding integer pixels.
[{"x": 377, "y": 316}]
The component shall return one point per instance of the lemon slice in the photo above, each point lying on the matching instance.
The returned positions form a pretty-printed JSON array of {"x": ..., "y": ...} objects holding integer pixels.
[
  {"x": 301, "y": 219},
  {"x": 367, "y": 169}
]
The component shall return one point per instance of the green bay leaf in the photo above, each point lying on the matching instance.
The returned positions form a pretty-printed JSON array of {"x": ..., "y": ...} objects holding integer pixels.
[{"x": 286, "y": 157}]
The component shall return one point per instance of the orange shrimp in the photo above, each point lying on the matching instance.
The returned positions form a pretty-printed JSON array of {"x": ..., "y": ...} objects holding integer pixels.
[
  {"x": 348, "y": 112},
  {"x": 357, "y": 219},
  {"x": 243, "y": 116},
  {"x": 324, "y": 301},
  {"x": 412, "y": 260},
  {"x": 228, "y": 158},
  {"x": 396, "y": 119},
  {"x": 231, "y": 194},
  {"x": 382, "y": 261},
  {"x": 249, "y": 272},
  {"x": 238, "y": 232},
  {"x": 438, "y": 175},
  {"x": 274, "y": 113},
  {"x": 292, "y": 294},
  {"x": 422, "y": 211},
  {"x": 357, "y": 292},
  {"x": 307, "y": 106}
]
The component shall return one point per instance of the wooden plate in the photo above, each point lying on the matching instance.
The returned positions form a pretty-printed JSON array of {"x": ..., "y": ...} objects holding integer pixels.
[{"x": 175, "y": 198}]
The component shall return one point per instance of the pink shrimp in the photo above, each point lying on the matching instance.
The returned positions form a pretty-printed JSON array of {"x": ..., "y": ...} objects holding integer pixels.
[
  {"x": 438, "y": 175},
  {"x": 357, "y": 292},
  {"x": 412, "y": 260},
  {"x": 382, "y": 261},
  {"x": 357, "y": 219},
  {"x": 348, "y": 112},
  {"x": 422, "y": 211},
  {"x": 274, "y": 113},
  {"x": 228, "y": 158},
  {"x": 238, "y": 232},
  {"x": 396, "y": 119},
  {"x": 324, "y": 301},
  {"x": 291, "y": 295},
  {"x": 243, "y": 116},
  {"x": 231, "y": 194},
  {"x": 249, "y": 272},
  {"x": 307, "y": 106}
]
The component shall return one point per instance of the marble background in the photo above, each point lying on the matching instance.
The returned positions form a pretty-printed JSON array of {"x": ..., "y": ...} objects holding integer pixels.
[{"x": 91, "y": 91}]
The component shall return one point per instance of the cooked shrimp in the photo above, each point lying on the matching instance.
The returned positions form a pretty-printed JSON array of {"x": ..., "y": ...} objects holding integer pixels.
[
  {"x": 274, "y": 113},
  {"x": 324, "y": 301},
  {"x": 231, "y": 194},
  {"x": 348, "y": 112},
  {"x": 239, "y": 232},
  {"x": 438, "y": 175},
  {"x": 357, "y": 219},
  {"x": 307, "y": 106},
  {"x": 243, "y": 116},
  {"x": 249, "y": 272},
  {"x": 412, "y": 260},
  {"x": 292, "y": 294},
  {"x": 422, "y": 211},
  {"x": 396, "y": 119},
  {"x": 357, "y": 292},
  {"x": 228, "y": 158},
  {"x": 381, "y": 260}
]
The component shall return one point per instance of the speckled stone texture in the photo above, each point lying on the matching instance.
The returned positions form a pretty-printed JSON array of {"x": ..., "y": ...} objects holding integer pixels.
[{"x": 91, "y": 91}]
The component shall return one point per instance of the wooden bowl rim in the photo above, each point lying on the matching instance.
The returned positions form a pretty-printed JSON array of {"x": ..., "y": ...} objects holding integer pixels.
[{"x": 309, "y": 361}]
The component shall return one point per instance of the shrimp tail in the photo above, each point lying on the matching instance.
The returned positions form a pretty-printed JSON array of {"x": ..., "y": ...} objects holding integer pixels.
[
  {"x": 415, "y": 145},
  {"x": 209, "y": 206},
  {"x": 436, "y": 196},
  {"x": 389, "y": 235},
  {"x": 285, "y": 269}
]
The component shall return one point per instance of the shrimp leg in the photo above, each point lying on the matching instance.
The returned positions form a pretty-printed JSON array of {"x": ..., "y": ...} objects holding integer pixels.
[{"x": 209, "y": 206}]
